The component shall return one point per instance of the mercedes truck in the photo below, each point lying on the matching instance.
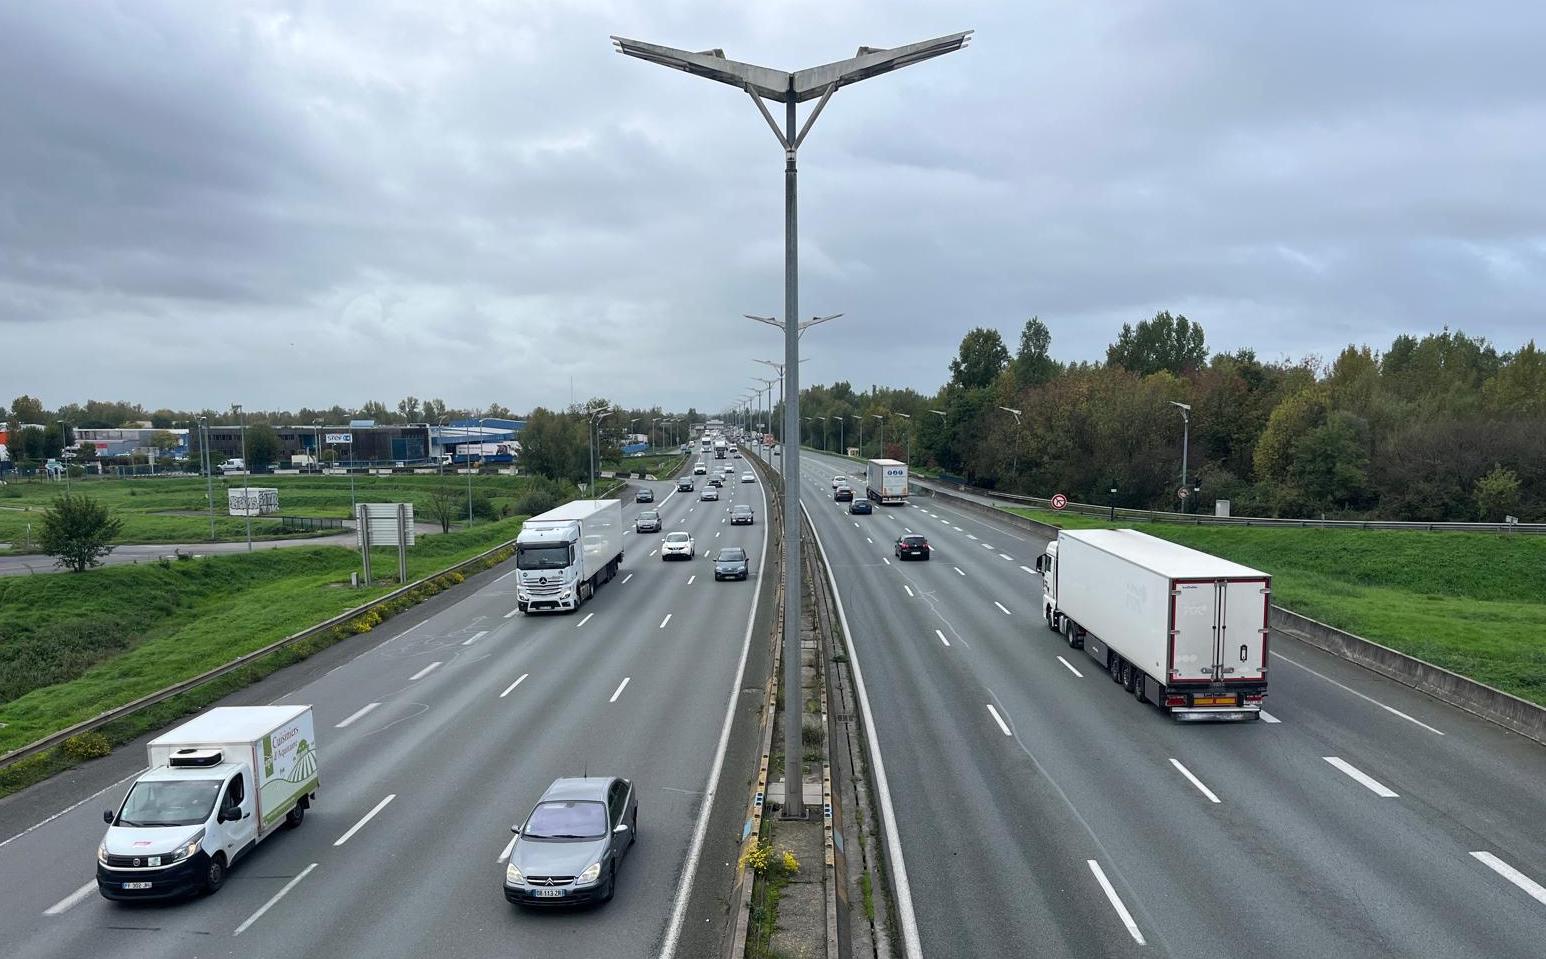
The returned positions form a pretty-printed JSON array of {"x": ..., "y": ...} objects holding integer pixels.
[{"x": 563, "y": 555}]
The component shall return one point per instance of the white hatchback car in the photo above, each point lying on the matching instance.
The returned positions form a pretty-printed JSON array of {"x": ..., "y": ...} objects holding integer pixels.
[
  {"x": 677, "y": 545},
  {"x": 839, "y": 481},
  {"x": 748, "y": 478}
]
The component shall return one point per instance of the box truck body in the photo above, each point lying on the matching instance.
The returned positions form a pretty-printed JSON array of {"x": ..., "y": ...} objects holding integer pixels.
[
  {"x": 563, "y": 555},
  {"x": 1178, "y": 627},
  {"x": 217, "y": 786},
  {"x": 886, "y": 481}
]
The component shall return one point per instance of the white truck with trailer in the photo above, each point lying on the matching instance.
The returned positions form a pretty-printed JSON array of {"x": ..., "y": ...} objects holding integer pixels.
[
  {"x": 217, "y": 786},
  {"x": 563, "y": 555},
  {"x": 886, "y": 481},
  {"x": 720, "y": 449},
  {"x": 1177, "y": 627}
]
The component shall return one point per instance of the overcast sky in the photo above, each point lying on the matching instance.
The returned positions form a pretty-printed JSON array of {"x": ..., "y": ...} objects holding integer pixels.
[{"x": 297, "y": 204}]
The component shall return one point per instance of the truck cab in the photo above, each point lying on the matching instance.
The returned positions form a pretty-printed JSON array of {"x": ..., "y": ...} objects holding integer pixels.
[
  {"x": 549, "y": 568},
  {"x": 1046, "y": 565}
]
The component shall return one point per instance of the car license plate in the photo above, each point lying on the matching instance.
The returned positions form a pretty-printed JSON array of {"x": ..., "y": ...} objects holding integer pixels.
[
  {"x": 549, "y": 893},
  {"x": 136, "y": 885}
]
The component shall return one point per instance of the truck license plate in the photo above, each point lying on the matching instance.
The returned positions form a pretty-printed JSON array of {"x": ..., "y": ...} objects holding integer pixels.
[
  {"x": 136, "y": 885},
  {"x": 550, "y": 893}
]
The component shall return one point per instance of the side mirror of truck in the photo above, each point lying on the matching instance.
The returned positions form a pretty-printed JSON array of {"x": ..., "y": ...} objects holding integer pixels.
[{"x": 107, "y": 816}]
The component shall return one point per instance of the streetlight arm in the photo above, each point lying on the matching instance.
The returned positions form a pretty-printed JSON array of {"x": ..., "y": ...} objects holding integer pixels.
[{"x": 759, "y": 81}]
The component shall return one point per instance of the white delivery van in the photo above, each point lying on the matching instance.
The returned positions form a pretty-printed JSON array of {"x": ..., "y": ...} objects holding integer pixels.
[{"x": 217, "y": 786}]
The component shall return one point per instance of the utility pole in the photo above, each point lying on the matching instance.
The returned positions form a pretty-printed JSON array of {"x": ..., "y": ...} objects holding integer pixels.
[
  {"x": 246, "y": 476},
  {"x": 1186, "y": 441}
]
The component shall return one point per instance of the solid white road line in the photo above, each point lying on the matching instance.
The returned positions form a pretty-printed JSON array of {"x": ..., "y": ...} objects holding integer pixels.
[
  {"x": 908, "y": 588},
  {"x": 1028, "y": 569},
  {"x": 959, "y": 570},
  {"x": 1070, "y": 667},
  {"x": 418, "y": 624},
  {"x": 474, "y": 638},
  {"x": 75, "y": 898},
  {"x": 510, "y": 688},
  {"x": 1267, "y": 717},
  {"x": 626, "y": 579},
  {"x": 425, "y": 671},
  {"x": 1194, "y": 780},
  {"x": 619, "y": 690},
  {"x": 691, "y": 578},
  {"x": 1358, "y": 776},
  {"x": 1116, "y": 902},
  {"x": 512, "y": 612},
  {"x": 584, "y": 621},
  {"x": 942, "y": 637},
  {"x": 367, "y": 818},
  {"x": 72, "y": 807},
  {"x": 1389, "y": 709},
  {"x": 1532, "y": 888},
  {"x": 505, "y": 852},
  {"x": 357, "y": 714},
  {"x": 1006, "y": 556},
  {"x": 1000, "y": 720},
  {"x": 664, "y": 621},
  {"x": 277, "y": 896},
  {"x": 1001, "y": 607}
]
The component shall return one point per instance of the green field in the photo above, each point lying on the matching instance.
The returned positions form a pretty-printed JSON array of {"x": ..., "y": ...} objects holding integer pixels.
[
  {"x": 1474, "y": 603},
  {"x": 174, "y": 509}
]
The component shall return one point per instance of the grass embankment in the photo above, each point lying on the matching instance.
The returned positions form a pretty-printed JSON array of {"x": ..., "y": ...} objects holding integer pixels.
[
  {"x": 72, "y": 646},
  {"x": 174, "y": 509},
  {"x": 1474, "y": 603}
]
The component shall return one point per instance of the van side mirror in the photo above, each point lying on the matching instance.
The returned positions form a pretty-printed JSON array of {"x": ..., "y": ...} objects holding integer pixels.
[
  {"x": 107, "y": 816},
  {"x": 516, "y": 829},
  {"x": 621, "y": 827}
]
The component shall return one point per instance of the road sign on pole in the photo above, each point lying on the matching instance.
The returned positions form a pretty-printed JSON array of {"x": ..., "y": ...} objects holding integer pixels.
[
  {"x": 1059, "y": 501},
  {"x": 1183, "y": 492}
]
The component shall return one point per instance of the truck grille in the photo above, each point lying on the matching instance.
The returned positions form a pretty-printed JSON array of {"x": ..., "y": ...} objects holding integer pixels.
[{"x": 550, "y": 589}]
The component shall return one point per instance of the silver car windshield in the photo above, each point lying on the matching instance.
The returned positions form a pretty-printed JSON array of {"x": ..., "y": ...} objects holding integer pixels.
[
  {"x": 169, "y": 803},
  {"x": 677, "y": 537},
  {"x": 567, "y": 820}
]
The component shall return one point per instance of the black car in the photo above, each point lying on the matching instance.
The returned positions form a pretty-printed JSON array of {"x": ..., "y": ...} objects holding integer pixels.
[
  {"x": 568, "y": 850},
  {"x": 912, "y": 546},
  {"x": 741, "y": 514},
  {"x": 644, "y": 496},
  {"x": 859, "y": 506},
  {"x": 843, "y": 495},
  {"x": 731, "y": 563},
  {"x": 684, "y": 485},
  {"x": 716, "y": 481}
]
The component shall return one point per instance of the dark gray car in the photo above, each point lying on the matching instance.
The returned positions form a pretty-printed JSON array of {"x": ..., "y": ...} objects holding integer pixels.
[
  {"x": 569, "y": 849},
  {"x": 731, "y": 563}
]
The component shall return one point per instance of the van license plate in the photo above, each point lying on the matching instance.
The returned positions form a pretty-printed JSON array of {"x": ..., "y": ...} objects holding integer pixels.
[
  {"x": 550, "y": 893},
  {"x": 136, "y": 885}
]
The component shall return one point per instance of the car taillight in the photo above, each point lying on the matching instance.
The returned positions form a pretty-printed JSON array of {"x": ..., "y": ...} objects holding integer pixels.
[{"x": 1175, "y": 700}]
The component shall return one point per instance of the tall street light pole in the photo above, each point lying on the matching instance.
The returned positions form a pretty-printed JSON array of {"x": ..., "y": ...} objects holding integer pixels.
[
  {"x": 63, "y": 440},
  {"x": 860, "y": 418},
  {"x": 882, "y": 452},
  {"x": 469, "y": 470},
  {"x": 596, "y": 416},
  {"x": 246, "y": 476},
  {"x": 791, "y": 88},
  {"x": 209, "y": 479},
  {"x": 1186, "y": 440},
  {"x": 908, "y": 417},
  {"x": 1014, "y": 470}
]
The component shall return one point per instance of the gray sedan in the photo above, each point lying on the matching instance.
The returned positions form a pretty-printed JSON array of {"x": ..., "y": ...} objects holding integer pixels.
[
  {"x": 731, "y": 563},
  {"x": 568, "y": 850}
]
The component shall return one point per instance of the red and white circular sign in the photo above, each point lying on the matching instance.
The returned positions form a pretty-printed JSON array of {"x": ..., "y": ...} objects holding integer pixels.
[{"x": 1059, "y": 501}]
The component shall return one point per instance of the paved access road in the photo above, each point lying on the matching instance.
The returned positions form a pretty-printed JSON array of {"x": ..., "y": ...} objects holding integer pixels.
[
  {"x": 433, "y": 743},
  {"x": 1043, "y": 811}
]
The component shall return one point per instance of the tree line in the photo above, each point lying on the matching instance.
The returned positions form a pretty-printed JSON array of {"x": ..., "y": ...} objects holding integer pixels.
[{"x": 1436, "y": 427}]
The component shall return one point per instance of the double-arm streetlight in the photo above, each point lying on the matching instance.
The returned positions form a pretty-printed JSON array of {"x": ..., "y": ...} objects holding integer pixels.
[
  {"x": 596, "y": 416},
  {"x": 882, "y": 418},
  {"x": 791, "y": 88}
]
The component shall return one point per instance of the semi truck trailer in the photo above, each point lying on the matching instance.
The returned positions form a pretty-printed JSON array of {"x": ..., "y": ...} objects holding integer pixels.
[
  {"x": 886, "y": 481},
  {"x": 563, "y": 555},
  {"x": 1180, "y": 628}
]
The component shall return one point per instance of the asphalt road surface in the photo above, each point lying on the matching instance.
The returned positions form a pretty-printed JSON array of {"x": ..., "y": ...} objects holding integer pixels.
[
  {"x": 1043, "y": 811},
  {"x": 448, "y": 733}
]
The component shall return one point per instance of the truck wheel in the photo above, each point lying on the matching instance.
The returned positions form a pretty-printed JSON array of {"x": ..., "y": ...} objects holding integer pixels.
[
  {"x": 1114, "y": 666},
  {"x": 1129, "y": 675},
  {"x": 294, "y": 817},
  {"x": 1140, "y": 687},
  {"x": 1069, "y": 631},
  {"x": 214, "y": 873}
]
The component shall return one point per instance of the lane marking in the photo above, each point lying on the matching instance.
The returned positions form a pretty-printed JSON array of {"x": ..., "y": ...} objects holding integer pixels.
[
  {"x": 664, "y": 621},
  {"x": 1000, "y": 720},
  {"x": 357, "y": 714},
  {"x": 425, "y": 671},
  {"x": 907, "y": 529},
  {"x": 1070, "y": 667},
  {"x": 968, "y": 535},
  {"x": 942, "y": 638},
  {"x": 1006, "y": 556},
  {"x": 716, "y": 535},
  {"x": 908, "y": 588},
  {"x": 1002, "y": 608},
  {"x": 475, "y": 637},
  {"x": 509, "y": 847},
  {"x": 1116, "y": 902},
  {"x": 367, "y": 818},
  {"x": 73, "y": 806},
  {"x": 870, "y": 541},
  {"x": 1360, "y": 777},
  {"x": 584, "y": 621},
  {"x": 277, "y": 896},
  {"x": 1389, "y": 709},
  {"x": 959, "y": 570},
  {"x": 986, "y": 545},
  {"x": 1267, "y": 717},
  {"x": 1532, "y": 888},
  {"x": 1194, "y": 780},
  {"x": 510, "y": 688},
  {"x": 885, "y": 560},
  {"x": 620, "y": 687},
  {"x": 1029, "y": 570},
  {"x": 652, "y": 552},
  {"x": 419, "y": 623},
  {"x": 75, "y": 898},
  {"x": 512, "y": 612},
  {"x": 691, "y": 578},
  {"x": 626, "y": 579}
]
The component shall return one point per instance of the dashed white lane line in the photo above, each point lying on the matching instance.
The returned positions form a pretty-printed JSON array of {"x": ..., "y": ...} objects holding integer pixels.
[
  {"x": 425, "y": 671},
  {"x": 1267, "y": 717},
  {"x": 1531, "y": 888},
  {"x": 885, "y": 560},
  {"x": 73, "y": 899},
  {"x": 999, "y": 719},
  {"x": 277, "y": 896},
  {"x": 1071, "y": 667},
  {"x": 968, "y": 535},
  {"x": 664, "y": 621},
  {"x": 626, "y": 579},
  {"x": 619, "y": 690},
  {"x": 691, "y": 578},
  {"x": 512, "y": 612},
  {"x": 364, "y": 819},
  {"x": 1028, "y": 569},
  {"x": 505, "y": 852},
  {"x": 960, "y": 530},
  {"x": 908, "y": 588},
  {"x": 856, "y": 526},
  {"x": 1194, "y": 780},
  {"x": 907, "y": 529},
  {"x": 870, "y": 541},
  {"x": 1006, "y": 557},
  {"x": 584, "y": 621},
  {"x": 357, "y": 714},
  {"x": 942, "y": 638},
  {"x": 959, "y": 570},
  {"x": 654, "y": 551},
  {"x": 511, "y": 688},
  {"x": 1116, "y": 902},
  {"x": 986, "y": 545},
  {"x": 1360, "y": 777},
  {"x": 1389, "y": 709},
  {"x": 1002, "y": 608},
  {"x": 716, "y": 536},
  {"x": 474, "y": 638}
]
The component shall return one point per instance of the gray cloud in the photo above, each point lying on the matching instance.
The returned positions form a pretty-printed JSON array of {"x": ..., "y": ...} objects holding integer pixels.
[{"x": 301, "y": 204}]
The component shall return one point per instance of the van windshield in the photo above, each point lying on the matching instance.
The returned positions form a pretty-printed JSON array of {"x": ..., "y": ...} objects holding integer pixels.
[
  {"x": 554, "y": 556},
  {"x": 169, "y": 803}
]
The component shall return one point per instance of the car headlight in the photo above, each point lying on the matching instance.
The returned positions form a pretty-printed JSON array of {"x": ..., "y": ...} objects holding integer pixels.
[
  {"x": 513, "y": 875},
  {"x": 102, "y": 852},
  {"x": 188, "y": 848},
  {"x": 590, "y": 874}
]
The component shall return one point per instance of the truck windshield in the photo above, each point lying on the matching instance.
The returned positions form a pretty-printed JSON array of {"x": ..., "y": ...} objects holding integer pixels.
[
  {"x": 169, "y": 803},
  {"x": 554, "y": 556}
]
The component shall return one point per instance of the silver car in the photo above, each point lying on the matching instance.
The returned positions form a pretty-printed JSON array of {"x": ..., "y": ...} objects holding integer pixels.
[{"x": 569, "y": 849}]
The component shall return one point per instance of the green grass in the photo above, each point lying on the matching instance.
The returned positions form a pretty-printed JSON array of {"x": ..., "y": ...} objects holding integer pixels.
[{"x": 1474, "y": 603}]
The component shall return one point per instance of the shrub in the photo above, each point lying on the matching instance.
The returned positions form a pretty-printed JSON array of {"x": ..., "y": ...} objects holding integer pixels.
[
  {"x": 87, "y": 745},
  {"x": 533, "y": 502}
]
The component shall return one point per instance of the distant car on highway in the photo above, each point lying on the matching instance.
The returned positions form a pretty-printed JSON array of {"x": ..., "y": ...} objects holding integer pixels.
[
  {"x": 747, "y": 477},
  {"x": 839, "y": 480},
  {"x": 568, "y": 850},
  {"x": 677, "y": 545},
  {"x": 731, "y": 563},
  {"x": 843, "y": 495},
  {"x": 709, "y": 494},
  {"x": 913, "y": 546},
  {"x": 860, "y": 506},
  {"x": 716, "y": 481},
  {"x": 741, "y": 514},
  {"x": 644, "y": 495},
  {"x": 684, "y": 485},
  {"x": 699, "y": 469},
  {"x": 648, "y": 521}
]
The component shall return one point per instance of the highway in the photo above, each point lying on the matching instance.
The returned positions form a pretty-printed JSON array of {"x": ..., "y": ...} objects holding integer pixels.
[
  {"x": 432, "y": 744},
  {"x": 1043, "y": 811}
]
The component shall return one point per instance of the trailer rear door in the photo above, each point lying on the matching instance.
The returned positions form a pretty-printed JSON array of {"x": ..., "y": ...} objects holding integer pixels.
[
  {"x": 1194, "y": 629},
  {"x": 1244, "y": 640}
]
